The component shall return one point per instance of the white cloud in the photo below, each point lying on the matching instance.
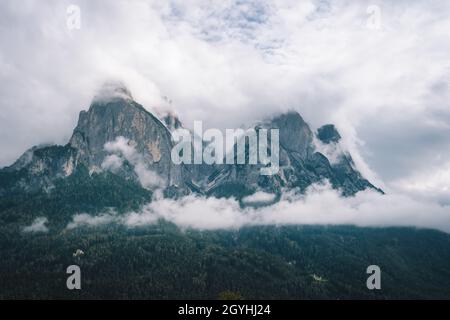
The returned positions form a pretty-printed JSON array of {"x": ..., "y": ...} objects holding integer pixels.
[
  {"x": 123, "y": 149},
  {"x": 432, "y": 184},
  {"x": 38, "y": 225},
  {"x": 333, "y": 151},
  {"x": 86, "y": 220},
  {"x": 112, "y": 90},
  {"x": 320, "y": 205},
  {"x": 112, "y": 162},
  {"x": 191, "y": 212},
  {"x": 259, "y": 197}
]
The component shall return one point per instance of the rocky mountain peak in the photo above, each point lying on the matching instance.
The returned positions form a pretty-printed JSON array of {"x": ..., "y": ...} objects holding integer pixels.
[
  {"x": 170, "y": 119},
  {"x": 328, "y": 133},
  {"x": 119, "y": 136},
  {"x": 295, "y": 134},
  {"x": 120, "y": 117}
]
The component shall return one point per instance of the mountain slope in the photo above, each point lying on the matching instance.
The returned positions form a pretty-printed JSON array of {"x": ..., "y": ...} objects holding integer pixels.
[
  {"x": 162, "y": 262},
  {"x": 300, "y": 165},
  {"x": 118, "y": 135}
]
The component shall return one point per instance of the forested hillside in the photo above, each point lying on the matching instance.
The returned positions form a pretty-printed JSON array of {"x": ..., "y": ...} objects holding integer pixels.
[{"x": 162, "y": 262}]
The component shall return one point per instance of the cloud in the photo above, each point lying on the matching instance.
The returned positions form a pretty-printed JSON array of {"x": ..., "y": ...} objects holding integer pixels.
[
  {"x": 320, "y": 205},
  {"x": 259, "y": 197},
  {"x": 86, "y": 220},
  {"x": 333, "y": 151},
  {"x": 38, "y": 225},
  {"x": 432, "y": 184},
  {"x": 112, "y": 90},
  {"x": 124, "y": 150},
  {"x": 112, "y": 162},
  {"x": 191, "y": 212}
]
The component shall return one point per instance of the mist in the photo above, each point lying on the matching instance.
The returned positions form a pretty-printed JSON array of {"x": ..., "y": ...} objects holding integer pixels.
[{"x": 320, "y": 205}]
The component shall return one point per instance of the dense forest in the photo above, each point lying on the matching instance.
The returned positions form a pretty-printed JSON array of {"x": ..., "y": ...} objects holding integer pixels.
[{"x": 162, "y": 261}]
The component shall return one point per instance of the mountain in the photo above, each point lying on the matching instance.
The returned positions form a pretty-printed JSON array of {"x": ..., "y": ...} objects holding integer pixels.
[
  {"x": 112, "y": 114},
  {"x": 300, "y": 164},
  {"x": 119, "y": 156},
  {"x": 118, "y": 135}
]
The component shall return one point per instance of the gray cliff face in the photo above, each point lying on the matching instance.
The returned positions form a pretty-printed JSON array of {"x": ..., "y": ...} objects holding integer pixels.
[
  {"x": 106, "y": 121},
  {"x": 300, "y": 165},
  {"x": 328, "y": 134},
  {"x": 295, "y": 135},
  {"x": 114, "y": 117}
]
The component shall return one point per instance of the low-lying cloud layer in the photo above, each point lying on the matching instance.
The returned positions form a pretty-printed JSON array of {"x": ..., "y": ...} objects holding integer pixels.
[
  {"x": 320, "y": 205},
  {"x": 38, "y": 225}
]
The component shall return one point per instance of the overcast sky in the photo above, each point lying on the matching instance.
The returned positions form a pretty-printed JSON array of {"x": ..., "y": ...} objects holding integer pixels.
[{"x": 379, "y": 70}]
